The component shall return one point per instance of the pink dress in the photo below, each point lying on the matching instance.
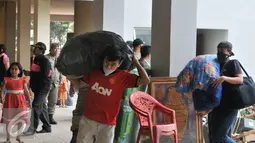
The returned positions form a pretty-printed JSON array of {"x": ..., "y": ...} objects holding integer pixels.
[{"x": 14, "y": 107}]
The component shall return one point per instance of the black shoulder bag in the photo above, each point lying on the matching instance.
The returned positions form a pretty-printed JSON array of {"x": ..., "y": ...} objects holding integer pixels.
[{"x": 241, "y": 96}]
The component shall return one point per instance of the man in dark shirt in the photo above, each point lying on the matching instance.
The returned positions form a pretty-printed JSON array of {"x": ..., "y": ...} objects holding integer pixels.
[
  {"x": 40, "y": 81},
  {"x": 137, "y": 44},
  {"x": 221, "y": 118}
]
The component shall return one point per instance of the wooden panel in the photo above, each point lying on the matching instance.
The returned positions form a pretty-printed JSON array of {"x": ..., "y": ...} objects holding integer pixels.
[{"x": 189, "y": 124}]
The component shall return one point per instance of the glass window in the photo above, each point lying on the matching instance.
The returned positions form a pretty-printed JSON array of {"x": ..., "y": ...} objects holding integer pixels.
[{"x": 143, "y": 33}]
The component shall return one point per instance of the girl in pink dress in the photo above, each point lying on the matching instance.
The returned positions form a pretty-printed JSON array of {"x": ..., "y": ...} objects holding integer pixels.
[{"x": 14, "y": 103}]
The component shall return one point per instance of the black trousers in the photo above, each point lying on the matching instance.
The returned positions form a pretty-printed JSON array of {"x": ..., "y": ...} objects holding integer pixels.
[
  {"x": 40, "y": 110},
  {"x": 220, "y": 121}
]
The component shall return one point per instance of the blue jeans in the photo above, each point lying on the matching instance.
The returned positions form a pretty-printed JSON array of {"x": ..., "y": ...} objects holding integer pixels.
[{"x": 220, "y": 121}]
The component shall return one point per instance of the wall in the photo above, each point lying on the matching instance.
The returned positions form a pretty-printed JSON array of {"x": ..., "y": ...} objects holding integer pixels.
[
  {"x": 236, "y": 16},
  {"x": 137, "y": 14},
  {"x": 83, "y": 17},
  {"x": 113, "y": 18},
  {"x": 2, "y": 13},
  {"x": 10, "y": 30},
  {"x": 183, "y": 34},
  {"x": 212, "y": 37}
]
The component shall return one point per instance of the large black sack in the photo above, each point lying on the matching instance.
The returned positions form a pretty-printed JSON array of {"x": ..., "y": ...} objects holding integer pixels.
[{"x": 84, "y": 52}]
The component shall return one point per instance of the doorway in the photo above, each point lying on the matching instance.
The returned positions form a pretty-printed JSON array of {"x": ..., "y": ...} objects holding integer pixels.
[{"x": 208, "y": 39}]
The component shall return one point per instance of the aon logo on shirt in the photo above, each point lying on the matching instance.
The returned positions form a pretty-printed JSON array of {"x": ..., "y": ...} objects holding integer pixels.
[{"x": 101, "y": 90}]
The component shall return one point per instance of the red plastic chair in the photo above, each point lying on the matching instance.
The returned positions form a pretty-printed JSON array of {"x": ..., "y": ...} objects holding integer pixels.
[{"x": 143, "y": 104}]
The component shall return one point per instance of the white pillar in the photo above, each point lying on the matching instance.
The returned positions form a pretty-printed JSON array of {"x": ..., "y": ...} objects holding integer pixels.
[
  {"x": 173, "y": 35},
  {"x": 83, "y": 17},
  {"x": 109, "y": 15},
  {"x": 42, "y": 22},
  {"x": 10, "y": 30},
  {"x": 24, "y": 21}
]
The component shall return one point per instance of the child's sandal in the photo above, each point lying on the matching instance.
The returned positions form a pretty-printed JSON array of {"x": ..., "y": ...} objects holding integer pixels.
[{"x": 19, "y": 140}]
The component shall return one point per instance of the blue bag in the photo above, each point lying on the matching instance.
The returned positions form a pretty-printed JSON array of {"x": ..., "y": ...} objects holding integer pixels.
[{"x": 206, "y": 100}]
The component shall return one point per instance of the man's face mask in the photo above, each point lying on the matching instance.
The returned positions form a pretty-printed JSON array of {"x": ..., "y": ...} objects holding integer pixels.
[
  {"x": 110, "y": 66},
  {"x": 222, "y": 57},
  {"x": 107, "y": 71}
]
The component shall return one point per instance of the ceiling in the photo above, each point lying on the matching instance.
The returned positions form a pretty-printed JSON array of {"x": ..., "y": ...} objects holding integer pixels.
[
  {"x": 60, "y": 7},
  {"x": 33, "y": 0}
]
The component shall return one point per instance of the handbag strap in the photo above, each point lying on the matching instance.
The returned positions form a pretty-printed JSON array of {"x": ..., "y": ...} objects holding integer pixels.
[
  {"x": 221, "y": 72},
  {"x": 244, "y": 70},
  {"x": 240, "y": 66}
]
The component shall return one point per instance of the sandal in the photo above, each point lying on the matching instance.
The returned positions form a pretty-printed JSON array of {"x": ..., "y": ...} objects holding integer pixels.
[{"x": 18, "y": 140}]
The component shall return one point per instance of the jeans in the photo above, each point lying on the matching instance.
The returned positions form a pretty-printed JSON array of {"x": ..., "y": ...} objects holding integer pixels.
[{"x": 220, "y": 121}]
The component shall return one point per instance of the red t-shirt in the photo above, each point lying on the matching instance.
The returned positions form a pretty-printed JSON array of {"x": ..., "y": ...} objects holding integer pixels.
[{"x": 103, "y": 100}]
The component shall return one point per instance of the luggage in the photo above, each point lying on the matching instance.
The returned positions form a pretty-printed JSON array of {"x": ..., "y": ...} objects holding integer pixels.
[
  {"x": 84, "y": 52},
  {"x": 206, "y": 100}
]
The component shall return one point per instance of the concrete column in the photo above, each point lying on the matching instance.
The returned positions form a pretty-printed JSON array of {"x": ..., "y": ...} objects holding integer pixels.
[
  {"x": 173, "y": 36},
  {"x": 42, "y": 22},
  {"x": 99, "y": 15},
  {"x": 10, "y": 30},
  {"x": 109, "y": 15},
  {"x": 83, "y": 17},
  {"x": 24, "y": 21},
  {"x": 2, "y": 23}
]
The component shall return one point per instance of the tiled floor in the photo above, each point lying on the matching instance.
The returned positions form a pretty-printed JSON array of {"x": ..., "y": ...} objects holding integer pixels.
[{"x": 60, "y": 133}]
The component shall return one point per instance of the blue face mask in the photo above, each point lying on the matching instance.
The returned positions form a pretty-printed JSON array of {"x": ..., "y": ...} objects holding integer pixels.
[{"x": 107, "y": 71}]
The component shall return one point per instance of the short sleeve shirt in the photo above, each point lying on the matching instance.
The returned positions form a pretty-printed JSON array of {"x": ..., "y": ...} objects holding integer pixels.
[
  {"x": 104, "y": 95},
  {"x": 230, "y": 69}
]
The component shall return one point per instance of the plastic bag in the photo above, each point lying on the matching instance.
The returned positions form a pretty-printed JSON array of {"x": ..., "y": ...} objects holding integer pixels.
[{"x": 83, "y": 53}]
